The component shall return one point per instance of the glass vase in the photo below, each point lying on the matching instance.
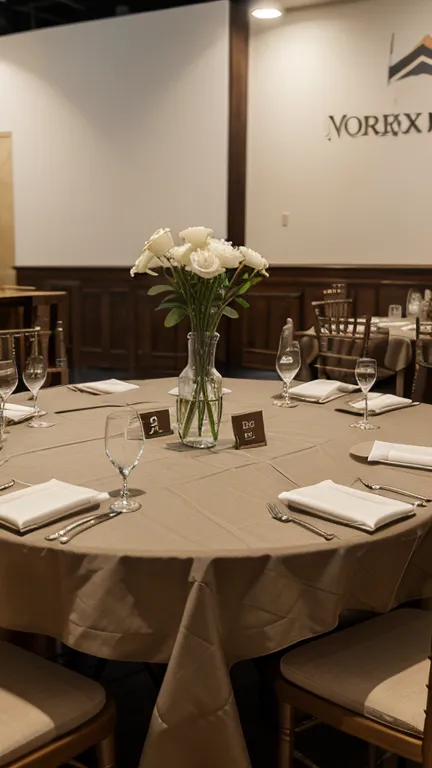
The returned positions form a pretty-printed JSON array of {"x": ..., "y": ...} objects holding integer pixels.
[{"x": 199, "y": 401}]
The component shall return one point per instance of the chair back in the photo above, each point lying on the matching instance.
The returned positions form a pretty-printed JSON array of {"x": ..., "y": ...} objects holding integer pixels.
[
  {"x": 332, "y": 305},
  {"x": 422, "y": 385},
  {"x": 341, "y": 341},
  {"x": 26, "y": 342}
]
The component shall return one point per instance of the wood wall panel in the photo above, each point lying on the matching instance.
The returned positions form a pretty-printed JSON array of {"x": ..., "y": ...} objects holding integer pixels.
[
  {"x": 113, "y": 323},
  {"x": 93, "y": 315}
]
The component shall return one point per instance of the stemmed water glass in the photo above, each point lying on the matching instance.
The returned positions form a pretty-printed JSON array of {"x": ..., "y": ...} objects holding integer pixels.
[
  {"x": 365, "y": 373},
  {"x": 34, "y": 376},
  {"x": 287, "y": 365},
  {"x": 8, "y": 377},
  {"x": 124, "y": 444}
]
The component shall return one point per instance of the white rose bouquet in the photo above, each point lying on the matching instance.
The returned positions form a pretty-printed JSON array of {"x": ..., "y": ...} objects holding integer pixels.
[
  {"x": 204, "y": 276},
  {"x": 204, "y": 279}
]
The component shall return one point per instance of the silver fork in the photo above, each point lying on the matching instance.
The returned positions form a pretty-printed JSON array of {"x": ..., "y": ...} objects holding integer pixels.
[
  {"x": 282, "y": 517},
  {"x": 423, "y": 500}
]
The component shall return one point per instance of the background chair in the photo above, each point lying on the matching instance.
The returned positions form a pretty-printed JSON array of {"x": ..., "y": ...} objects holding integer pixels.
[
  {"x": 49, "y": 715},
  {"x": 422, "y": 384},
  {"x": 372, "y": 681},
  {"x": 333, "y": 305},
  {"x": 37, "y": 341},
  {"x": 341, "y": 341}
]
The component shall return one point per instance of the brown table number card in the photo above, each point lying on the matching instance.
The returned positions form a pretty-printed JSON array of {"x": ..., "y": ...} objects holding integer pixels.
[
  {"x": 249, "y": 430},
  {"x": 156, "y": 423}
]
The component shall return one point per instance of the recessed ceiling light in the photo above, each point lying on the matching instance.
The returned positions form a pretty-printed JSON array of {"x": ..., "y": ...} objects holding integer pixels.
[{"x": 266, "y": 13}]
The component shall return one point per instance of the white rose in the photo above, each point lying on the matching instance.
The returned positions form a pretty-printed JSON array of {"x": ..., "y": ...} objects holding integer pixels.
[
  {"x": 229, "y": 257},
  {"x": 180, "y": 254},
  {"x": 142, "y": 264},
  {"x": 254, "y": 260},
  {"x": 158, "y": 261},
  {"x": 197, "y": 236},
  {"x": 205, "y": 264},
  {"x": 160, "y": 242}
]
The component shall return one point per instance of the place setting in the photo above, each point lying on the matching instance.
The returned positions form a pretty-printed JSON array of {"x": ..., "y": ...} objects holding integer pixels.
[
  {"x": 344, "y": 505},
  {"x": 397, "y": 454},
  {"x": 104, "y": 387},
  {"x": 37, "y": 506}
]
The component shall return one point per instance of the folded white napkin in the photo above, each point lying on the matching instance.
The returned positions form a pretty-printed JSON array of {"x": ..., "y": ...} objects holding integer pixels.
[
  {"x": 174, "y": 391},
  {"x": 321, "y": 389},
  {"x": 341, "y": 504},
  {"x": 16, "y": 412},
  {"x": 398, "y": 453},
  {"x": 378, "y": 402},
  {"x": 106, "y": 387},
  {"x": 43, "y": 503}
]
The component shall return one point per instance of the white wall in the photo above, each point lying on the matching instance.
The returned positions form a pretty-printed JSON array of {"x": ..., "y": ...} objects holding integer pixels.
[
  {"x": 358, "y": 200},
  {"x": 119, "y": 127}
]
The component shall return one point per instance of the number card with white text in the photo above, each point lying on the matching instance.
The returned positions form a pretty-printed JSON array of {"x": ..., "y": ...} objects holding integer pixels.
[{"x": 249, "y": 430}]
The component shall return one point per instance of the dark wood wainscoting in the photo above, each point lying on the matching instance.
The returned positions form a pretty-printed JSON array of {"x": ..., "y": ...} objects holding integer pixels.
[{"x": 112, "y": 322}]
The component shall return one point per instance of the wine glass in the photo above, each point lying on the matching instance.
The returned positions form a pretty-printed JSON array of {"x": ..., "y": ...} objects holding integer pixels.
[
  {"x": 365, "y": 373},
  {"x": 395, "y": 311},
  {"x": 34, "y": 376},
  {"x": 124, "y": 444},
  {"x": 287, "y": 365},
  {"x": 8, "y": 378}
]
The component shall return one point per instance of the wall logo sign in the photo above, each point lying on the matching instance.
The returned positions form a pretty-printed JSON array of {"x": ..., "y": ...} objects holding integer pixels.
[{"x": 417, "y": 62}]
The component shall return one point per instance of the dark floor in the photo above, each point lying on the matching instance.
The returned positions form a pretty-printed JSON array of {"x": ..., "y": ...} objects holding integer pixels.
[{"x": 135, "y": 693}]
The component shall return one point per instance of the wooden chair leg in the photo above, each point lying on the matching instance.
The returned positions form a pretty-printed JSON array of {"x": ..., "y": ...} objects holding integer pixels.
[
  {"x": 105, "y": 752},
  {"x": 285, "y": 735}
]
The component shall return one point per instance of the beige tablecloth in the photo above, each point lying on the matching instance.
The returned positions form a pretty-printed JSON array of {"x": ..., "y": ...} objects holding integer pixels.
[{"x": 201, "y": 576}]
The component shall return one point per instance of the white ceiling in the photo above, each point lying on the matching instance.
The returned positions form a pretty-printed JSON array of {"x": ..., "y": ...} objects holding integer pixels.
[{"x": 303, "y": 3}]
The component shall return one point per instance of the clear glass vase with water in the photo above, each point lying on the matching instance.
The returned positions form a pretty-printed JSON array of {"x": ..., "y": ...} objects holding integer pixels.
[{"x": 199, "y": 401}]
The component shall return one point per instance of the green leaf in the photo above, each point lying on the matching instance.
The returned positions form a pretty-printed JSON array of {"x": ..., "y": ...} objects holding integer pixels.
[
  {"x": 155, "y": 289},
  {"x": 245, "y": 287},
  {"x": 168, "y": 305},
  {"x": 242, "y": 303},
  {"x": 245, "y": 276},
  {"x": 230, "y": 312},
  {"x": 174, "y": 317}
]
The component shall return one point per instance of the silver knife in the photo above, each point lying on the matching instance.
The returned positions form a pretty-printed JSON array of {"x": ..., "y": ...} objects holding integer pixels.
[
  {"x": 72, "y": 526},
  {"x": 7, "y": 485},
  {"x": 85, "y": 527}
]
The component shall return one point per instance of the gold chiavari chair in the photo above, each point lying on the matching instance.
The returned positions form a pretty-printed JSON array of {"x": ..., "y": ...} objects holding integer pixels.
[
  {"x": 333, "y": 304},
  {"x": 36, "y": 341},
  {"x": 372, "y": 681},
  {"x": 341, "y": 341},
  {"x": 422, "y": 385},
  {"x": 28, "y": 341}
]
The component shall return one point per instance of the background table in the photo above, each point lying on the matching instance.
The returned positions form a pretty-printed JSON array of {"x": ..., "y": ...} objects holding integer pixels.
[{"x": 201, "y": 576}]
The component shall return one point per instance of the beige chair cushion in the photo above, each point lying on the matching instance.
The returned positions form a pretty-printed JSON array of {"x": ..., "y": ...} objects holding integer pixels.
[
  {"x": 39, "y": 701},
  {"x": 379, "y": 668}
]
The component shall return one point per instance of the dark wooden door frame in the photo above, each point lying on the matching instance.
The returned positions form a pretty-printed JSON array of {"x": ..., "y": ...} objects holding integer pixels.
[{"x": 237, "y": 131}]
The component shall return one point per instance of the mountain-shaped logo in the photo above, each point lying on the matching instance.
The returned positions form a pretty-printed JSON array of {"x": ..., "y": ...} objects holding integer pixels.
[{"x": 417, "y": 62}]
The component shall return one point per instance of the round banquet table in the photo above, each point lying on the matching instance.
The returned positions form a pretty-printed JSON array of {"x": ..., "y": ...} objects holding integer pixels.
[{"x": 201, "y": 576}]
